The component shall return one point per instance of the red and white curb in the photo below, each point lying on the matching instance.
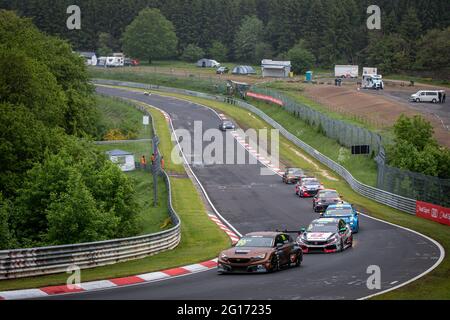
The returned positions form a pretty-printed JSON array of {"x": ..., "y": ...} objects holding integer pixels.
[
  {"x": 233, "y": 236},
  {"x": 166, "y": 116},
  {"x": 241, "y": 139},
  {"x": 108, "y": 284}
]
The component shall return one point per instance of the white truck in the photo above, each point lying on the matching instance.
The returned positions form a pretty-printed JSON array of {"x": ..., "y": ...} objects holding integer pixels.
[
  {"x": 371, "y": 79},
  {"x": 346, "y": 71}
]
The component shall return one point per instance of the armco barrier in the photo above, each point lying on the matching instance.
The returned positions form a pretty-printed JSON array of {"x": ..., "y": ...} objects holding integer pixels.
[
  {"x": 46, "y": 260},
  {"x": 381, "y": 196}
]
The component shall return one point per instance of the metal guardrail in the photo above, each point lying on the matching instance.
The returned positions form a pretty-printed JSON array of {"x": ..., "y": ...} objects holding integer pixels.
[
  {"x": 395, "y": 201},
  {"x": 20, "y": 263}
]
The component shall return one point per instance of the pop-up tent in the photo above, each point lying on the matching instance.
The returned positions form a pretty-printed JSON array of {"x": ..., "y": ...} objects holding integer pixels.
[
  {"x": 207, "y": 63},
  {"x": 243, "y": 70}
]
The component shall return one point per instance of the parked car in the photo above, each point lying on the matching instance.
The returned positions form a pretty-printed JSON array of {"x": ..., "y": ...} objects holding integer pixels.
[
  {"x": 326, "y": 235},
  {"x": 222, "y": 70},
  {"x": 261, "y": 252},
  {"x": 324, "y": 198}
]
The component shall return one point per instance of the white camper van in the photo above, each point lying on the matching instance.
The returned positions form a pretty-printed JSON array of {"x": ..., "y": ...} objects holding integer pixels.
[
  {"x": 371, "y": 79},
  {"x": 373, "y": 82},
  {"x": 433, "y": 96}
]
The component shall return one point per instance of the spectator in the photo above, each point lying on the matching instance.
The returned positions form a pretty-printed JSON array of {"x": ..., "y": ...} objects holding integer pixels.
[
  {"x": 143, "y": 162},
  {"x": 153, "y": 159},
  {"x": 162, "y": 163}
]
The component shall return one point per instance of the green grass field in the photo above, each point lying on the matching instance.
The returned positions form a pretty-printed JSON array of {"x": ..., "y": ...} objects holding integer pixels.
[
  {"x": 186, "y": 80},
  {"x": 116, "y": 114},
  {"x": 192, "y": 66},
  {"x": 165, "y": 137}
]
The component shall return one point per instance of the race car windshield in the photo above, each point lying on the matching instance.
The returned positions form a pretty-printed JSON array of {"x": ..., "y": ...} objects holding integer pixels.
[
  {"x": 339, "y": 212},
  {"x": 311, "y": 183},
  {"x": 328, "y": 194},
  {"x": 294, "y": 171},
  {"x": 321, "y": 227},
  {"x": 255, "y": 242}
]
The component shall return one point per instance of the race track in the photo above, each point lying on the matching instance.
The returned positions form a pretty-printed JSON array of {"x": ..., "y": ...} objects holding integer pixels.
[{"x": 251, "y": 202}]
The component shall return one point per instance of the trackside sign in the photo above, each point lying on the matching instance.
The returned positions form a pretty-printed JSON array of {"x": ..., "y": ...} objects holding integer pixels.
[
  {"x": 433, "y": 212},
  {"x": 265, "y": 98}
]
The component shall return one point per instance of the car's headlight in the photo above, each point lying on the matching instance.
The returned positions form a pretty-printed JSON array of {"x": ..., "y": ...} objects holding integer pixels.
[
  {"x": 259, "y": 257},
  {"x": 223, "y": 256}
]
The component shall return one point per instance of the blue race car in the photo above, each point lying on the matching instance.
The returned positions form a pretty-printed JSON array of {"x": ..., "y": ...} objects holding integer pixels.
[{"x": 344, "y": 211}]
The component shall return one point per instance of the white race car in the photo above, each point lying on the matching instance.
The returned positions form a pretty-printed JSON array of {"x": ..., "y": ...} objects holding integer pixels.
[{"x": 326, "y": 235}]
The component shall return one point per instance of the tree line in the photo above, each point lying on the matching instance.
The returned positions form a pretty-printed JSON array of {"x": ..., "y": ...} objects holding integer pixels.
[
  {"x": 332, "y": 31},
  {"x": 55, "y": 187}
]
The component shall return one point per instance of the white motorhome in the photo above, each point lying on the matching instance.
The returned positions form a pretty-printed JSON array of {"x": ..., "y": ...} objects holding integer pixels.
[
  {"x": 115, "y": 62},
  {"x": 346, "y": 71},
  {"x": 433, "y": 96},
  {"x": 372, "y": 80}
]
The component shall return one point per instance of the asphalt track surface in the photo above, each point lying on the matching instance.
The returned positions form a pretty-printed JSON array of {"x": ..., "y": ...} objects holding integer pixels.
[{"x": 252, "y": 202}]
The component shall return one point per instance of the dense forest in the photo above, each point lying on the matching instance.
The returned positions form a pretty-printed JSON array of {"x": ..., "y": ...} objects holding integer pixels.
[
  {"x": 55, "y": 186},
  {"x": 334, "y": 31}
]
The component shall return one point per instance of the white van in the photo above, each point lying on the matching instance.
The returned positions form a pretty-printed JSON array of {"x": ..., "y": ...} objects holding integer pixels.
[{"x": 427, "y": 96}]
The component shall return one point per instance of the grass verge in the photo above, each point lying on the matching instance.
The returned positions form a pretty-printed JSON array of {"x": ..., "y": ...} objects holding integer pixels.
[
  {"x": 201, "y": 239},
  {"x": 435, "y": 285},
  {"x": 152, "y": 219},
  {"x": 115, "y": 114},
  {"x": 191, "y": 82}
]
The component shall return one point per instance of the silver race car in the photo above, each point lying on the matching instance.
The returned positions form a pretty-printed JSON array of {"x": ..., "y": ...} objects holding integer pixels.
[{"x": 227, "y": 125}]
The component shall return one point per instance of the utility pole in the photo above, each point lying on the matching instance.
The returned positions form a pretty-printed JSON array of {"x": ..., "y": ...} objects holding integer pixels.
[{"x": 156, "y": 169}]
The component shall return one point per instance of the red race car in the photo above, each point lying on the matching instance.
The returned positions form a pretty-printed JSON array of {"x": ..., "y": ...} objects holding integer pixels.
[{"x": 308, "y": 187}]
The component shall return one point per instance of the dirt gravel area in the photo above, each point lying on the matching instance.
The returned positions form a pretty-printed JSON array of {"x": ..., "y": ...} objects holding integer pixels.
[{"x": 382, "y": 107}]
